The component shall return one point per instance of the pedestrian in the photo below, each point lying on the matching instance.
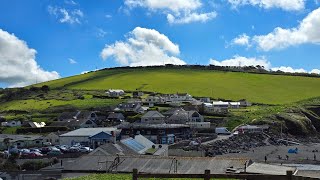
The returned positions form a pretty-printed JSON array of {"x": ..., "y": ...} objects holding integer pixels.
[
  {"x": 314, "y": 157},
  {"x": 265, "y": 159},
  {"x": 287, "y": 157}
]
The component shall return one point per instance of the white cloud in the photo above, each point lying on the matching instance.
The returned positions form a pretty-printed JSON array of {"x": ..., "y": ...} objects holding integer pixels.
[
  {"x": 101, "y": 33},
  {"x": 143, "y": 47},
  {"x": 178, "y": 11},
  {"x": 192, "y": 17},
  {"x": 70, "y": 2},
  {"x": 315, "y": 71},
  {"x": 262, "y": 61},
  {"x": 18, "y": 66},
  {"x": 108, "y": 16},
  {"x": 288, "y": 69},
  {"x": 242, "y": 40},
  {"x": 307, "y": 32},
  {"x": 287, "y": 5},
  {"x": 66, "y": 16},
  {"x": 242, "y": 61},
  {"x": 72, "y": 61}
]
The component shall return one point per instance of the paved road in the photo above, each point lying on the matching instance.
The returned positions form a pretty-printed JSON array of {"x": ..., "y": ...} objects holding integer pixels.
[{"x": 220, "y": 137}]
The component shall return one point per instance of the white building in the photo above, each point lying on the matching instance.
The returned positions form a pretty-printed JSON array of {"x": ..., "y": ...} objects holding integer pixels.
[
  {"x": 115, "y": 92},
  {"x": 178, "y": 97}
]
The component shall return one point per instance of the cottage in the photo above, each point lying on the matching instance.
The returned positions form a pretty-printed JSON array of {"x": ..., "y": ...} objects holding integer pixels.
[
  {"x": 116, "y": 117},
  {"x": 88, "y": 136},
  {"x": 234, "y": 105},
  {"x": 220, "y": 104},
  {"x": 182, "y": 117},
  {"x": 11, "y": 123},
  {"x": 153, "y": 117},
  {"x": 209, "y": 108},
  {"x": 205, "y": 99},
  {"x": 130, "y": 107},
  {"x": 178, "y": 97},
  {"x": 171, "y": 111},
  {"x": 115, "y": 92},
  {"x": 155, "y": 100},
  {"x": 157, "y": 133}
]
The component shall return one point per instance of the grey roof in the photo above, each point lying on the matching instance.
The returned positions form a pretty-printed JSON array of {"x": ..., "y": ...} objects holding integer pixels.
[
  {"x": 19, "y": 137},
  {"x": 182, "y": 115},
  {"x": 155, "y": 164},
  {"x": 115, "y": 115},
  {"x": 152, "y": 126},
  {"x": 172, "y": 111},
  {"x": 114, "y": 149},
  {"x": 70, "y": 122},
  {"x": 152, "y": 114},
  {"x": 88, "y": 131}
]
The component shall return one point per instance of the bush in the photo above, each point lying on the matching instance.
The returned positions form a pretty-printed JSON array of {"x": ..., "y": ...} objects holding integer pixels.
[{"x": 34, "y": 165}]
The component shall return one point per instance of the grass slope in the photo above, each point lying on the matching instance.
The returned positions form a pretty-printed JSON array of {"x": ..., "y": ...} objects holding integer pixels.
[{"x": 259, "y": 88}]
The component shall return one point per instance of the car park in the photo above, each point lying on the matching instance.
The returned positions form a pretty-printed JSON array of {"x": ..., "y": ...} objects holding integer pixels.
[
  {"x": 85, "y": 149},
  {"x": 54, "y": 153}
]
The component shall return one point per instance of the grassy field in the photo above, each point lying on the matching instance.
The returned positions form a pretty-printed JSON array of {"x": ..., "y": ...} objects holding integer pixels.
[
  {"x": 39, "y": 105},
  {"x": 258, "y": 88}
]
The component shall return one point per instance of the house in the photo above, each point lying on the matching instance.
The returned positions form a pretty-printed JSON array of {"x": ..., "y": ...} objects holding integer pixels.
[
  {"x": 171, "y": 111},
  {"x": 209, "y": 108},
  {"x": 153, "y": 117},
  {"x": 130, "y": 107},
  {"x": 66, "y": 116},
  {"x": 115, "y": 92},
  {"x": 75, "y": 123},
  {"x": 157, "y": 133},
  {"x": 178, "y": 97},
  {"x": 34, "y": 124},
  {"x": 155, "y": 100},
  {"x": 182, "y": 117},
  {"x": 21, "y": 141},
  {"x": 137, "y": 94},
  {"x": 116, "y": 117},
  {"x": 11, "y": 123},
  {"x": 86, "y": 136},
  {"x": 53, "y": 137},
  {"x": 220, "y": 104},
  {"x": 234, "y": 105}
]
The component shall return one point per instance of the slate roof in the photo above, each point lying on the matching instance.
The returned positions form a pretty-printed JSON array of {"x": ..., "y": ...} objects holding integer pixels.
[
  {"x": 172, "y": 111},
  {"x": 70, "y": 122},
  {"x": 115, "y": 115},
  {"x": 89, "y": 131},
  {"x": 152, "y": 126},
  {"x": 114, "y": 149},
  {"x": 152, "y": 114}
]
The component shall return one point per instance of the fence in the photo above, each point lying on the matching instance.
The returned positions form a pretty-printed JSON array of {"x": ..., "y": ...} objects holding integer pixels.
[{"x": 207, "y": 176}]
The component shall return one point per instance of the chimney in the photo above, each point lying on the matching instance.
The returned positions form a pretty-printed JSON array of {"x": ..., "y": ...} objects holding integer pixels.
[{"x": 114, "y": 138}]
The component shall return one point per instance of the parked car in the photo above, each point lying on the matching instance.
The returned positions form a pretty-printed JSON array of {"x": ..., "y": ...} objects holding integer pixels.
[
  {"x": 85, "y": 149},
  {"x": 34, "y": 154},
  {"x": 45, "y": 150},
  {"x": 35, "y": 150},
  {"x": 54, "y": 153},
  {"x": 74, "y": 149}
]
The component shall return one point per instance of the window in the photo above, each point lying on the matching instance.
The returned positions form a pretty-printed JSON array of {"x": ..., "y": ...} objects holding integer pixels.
[
  {"x": 161, "y": 132},
  {"x": 37, "y": 142}
]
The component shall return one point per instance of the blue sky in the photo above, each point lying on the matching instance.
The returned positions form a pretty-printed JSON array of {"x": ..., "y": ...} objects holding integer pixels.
[{"x": 47, "y": 39}]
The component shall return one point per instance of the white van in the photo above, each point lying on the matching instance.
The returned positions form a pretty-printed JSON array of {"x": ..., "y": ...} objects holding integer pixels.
[{"x": 222, "y": 130}]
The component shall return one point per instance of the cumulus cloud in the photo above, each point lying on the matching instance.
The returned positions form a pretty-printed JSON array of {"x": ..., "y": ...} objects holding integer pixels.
[
  {"x": 242, "y": 40},
  {"x": 143, "y": 47},
  {"x": 66, "y": 16},
  {"x": 18, "y": 66},
  {"x": 72, "y": 61},
  {"x": 289, "y": 69},
  {"x": 287, "y": 5},
  {"x": 307, "y": 32},
  {"x": 242, "y": 61},
  {"x": 262, "y": 61},
  {"x": 178, "y": 11}
]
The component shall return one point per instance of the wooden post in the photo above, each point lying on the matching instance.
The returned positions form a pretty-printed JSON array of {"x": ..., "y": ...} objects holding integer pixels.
[
  {"x": 206, "y": 174},
  {"x": 135, "y": 174},
  {"x": 289, "y": 175}
]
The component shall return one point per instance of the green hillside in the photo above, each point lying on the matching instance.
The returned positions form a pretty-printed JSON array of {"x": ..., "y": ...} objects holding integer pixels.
[{"x": 258, "y": 88}]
